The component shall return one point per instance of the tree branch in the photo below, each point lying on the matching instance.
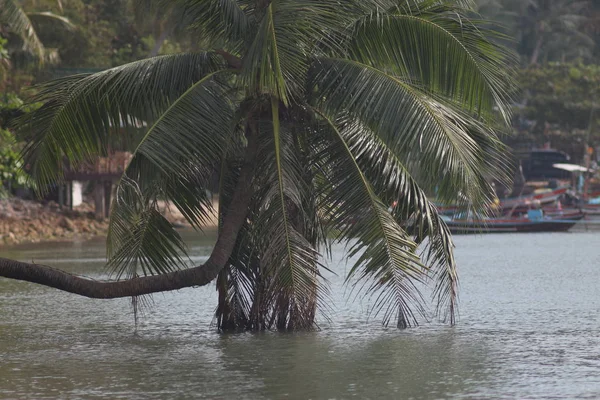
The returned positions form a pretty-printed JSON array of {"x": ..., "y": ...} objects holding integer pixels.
[{"x": 196, "y": 276}]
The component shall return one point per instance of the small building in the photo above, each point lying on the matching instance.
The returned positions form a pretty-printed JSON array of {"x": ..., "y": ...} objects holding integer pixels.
[
  {"x": 538, "y": 165},
  {"x": 104, "y": 172}
]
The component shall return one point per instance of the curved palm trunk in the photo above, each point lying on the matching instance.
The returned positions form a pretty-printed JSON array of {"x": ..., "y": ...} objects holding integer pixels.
[{"x": 196, "y": 276}]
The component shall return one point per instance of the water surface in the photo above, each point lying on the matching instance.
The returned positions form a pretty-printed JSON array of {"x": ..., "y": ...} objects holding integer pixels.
[{"x": 529, "y": 328}]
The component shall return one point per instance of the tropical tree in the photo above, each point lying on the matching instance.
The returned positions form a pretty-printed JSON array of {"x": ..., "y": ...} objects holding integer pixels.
[
  {"x": 17, "y": 21},
  {"x": 4, "y": 60},
  {"x": 165, "y": 20},
  {"x": 545, "y": 30},
  {"x": 317, "y": 116}
]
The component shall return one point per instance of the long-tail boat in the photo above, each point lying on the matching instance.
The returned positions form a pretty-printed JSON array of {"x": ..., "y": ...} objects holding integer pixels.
[
  {"x": 518, "y": 205},
  {"x": 534, "y": 222}
]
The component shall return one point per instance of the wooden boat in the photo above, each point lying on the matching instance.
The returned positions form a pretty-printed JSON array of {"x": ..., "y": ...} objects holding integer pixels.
[
  {"x": 517, "y": 205},
  {"x": 591, "y": 209},
  {"x": 560, "y": 223},
  {"x": 549, "y": 211},
  {"x": 540, "y": 198}
]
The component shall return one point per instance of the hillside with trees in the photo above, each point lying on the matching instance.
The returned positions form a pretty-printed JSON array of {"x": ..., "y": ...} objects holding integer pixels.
[{"x": 558, "y": 47}]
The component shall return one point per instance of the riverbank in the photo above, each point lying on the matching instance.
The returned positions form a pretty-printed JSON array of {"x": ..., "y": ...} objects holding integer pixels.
[{"x": 23, "y": 221}]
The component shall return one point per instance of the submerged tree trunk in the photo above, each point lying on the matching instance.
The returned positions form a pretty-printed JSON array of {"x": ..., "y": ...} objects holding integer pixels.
[{"x": 196, "y": 276}]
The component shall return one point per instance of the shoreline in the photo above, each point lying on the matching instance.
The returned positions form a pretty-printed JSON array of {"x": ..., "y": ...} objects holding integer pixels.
[
  {"x": 30, "y": 222},
  {"x": 24, "y": 221}
]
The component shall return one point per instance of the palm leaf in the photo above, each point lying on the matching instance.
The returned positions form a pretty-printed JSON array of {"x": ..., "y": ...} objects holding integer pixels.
[
  {"x": 82, "y": 113},
  {"x": 287, "y": 258},
  {"x": 386, "y": 256},
  {"x": 19, "y": 23},
  {"x": 415, "y": 125},
  {"x": 51, "y": 18},
  {"x": 394, "y": 183},
  {"x": 140, "y": 238},
  {"x": 474, "y": 74},
  {"x": 177, "y": 156},
  {"x": 224, "y": 23},
  {"x": 262, "y": 71}
]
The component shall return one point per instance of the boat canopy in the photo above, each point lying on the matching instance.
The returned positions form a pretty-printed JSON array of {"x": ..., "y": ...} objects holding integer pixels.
[{"x": 570, "y": 167}]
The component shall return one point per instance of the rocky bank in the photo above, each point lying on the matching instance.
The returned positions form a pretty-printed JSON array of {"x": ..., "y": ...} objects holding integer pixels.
[{"x": 23, "y": 221}]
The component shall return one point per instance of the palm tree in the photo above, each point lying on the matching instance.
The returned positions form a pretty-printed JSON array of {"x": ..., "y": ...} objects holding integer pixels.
[
  {"x": 548, "y": 30},
  {"x": 165, "y": 19},
  {"x": 316, "y": 115},
  {"x": 15, "y": 20},
  {"x": 554, "y": 30}
]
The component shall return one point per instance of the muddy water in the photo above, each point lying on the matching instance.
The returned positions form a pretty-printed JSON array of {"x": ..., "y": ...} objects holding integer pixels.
[{"x": 529, "y": 328}]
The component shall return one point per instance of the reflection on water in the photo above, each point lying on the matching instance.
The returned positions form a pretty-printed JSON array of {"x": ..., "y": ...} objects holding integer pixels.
[{"x": 529, "y": 328}]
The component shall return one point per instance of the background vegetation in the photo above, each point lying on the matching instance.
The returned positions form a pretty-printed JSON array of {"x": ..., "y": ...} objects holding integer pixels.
[{"x": 557, "y": 41}]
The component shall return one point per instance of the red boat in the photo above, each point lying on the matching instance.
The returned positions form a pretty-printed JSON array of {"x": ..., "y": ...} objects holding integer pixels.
[{"x": 515, "y": 206}]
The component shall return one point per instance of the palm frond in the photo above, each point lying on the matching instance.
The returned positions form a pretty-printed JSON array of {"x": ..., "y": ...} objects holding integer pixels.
[
  {"x": 48, "y": 17},
  {"x": 192, "y": 131},
  {"x": 187, "y": 191},
  {"x": 424, "y": 131},
  {"x": 224, "y": 23},
  {"x": 394, "y": 184},
  {"x": 475, "y": 70},
  {"x": 177, "y": 156},
  {"x": 82, "y": 113},
  {"x": 141, "y": 240},
  {"x": 387, "y": 265},
  {"x": 19, "y": 23},
  {"x": 262, "y": 71},
  {"x": 290, "y": 262}
]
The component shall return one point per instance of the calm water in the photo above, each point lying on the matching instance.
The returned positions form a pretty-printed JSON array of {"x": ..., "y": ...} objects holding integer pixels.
[{"x": 529, "y": 328}]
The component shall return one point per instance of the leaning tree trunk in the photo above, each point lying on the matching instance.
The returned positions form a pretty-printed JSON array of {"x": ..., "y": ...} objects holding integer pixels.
[{"x": 196, "y": 276}]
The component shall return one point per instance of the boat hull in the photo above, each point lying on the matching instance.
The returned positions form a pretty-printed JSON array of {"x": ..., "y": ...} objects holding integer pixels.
[{"x": 514, "y": 225}]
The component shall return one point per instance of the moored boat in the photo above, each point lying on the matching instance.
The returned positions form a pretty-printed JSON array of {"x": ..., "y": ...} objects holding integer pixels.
[
  {"x": 560, "y": 223},
  {"x": 518, "y": 205}
]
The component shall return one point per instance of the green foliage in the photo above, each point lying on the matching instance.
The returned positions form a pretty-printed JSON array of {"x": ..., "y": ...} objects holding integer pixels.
[
  {"x": 350, "y": 106},
  {"x": 12, "y": 174},
  {"x": 560, "y": 98},
  {"x": 548, "y": 30},
  {"x": 4, "y": 60}
]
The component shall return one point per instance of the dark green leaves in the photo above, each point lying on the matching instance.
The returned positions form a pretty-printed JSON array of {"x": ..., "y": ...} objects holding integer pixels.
[
  {"x": 82, "y": 114},
  {"x": 387, "y": 263},
  {"x": 355, "y": 105},
  {"x": 411, "y": 45},
  {"x": 140, "y": 239}
]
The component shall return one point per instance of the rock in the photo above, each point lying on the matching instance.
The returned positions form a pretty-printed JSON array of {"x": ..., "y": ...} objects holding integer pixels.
[
  {"x": 68, "y": 225},
  {"x": 18, "y": 205}
]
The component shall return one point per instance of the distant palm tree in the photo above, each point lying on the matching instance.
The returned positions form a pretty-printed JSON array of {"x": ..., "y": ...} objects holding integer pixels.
[
  {"x": 554, "y": 28},
  {"x": 548, "y": 30},
  {"x": 166, "y": 19},
  {"x": 317, "y": 116},
  {"x": 15, "y": 20}
]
